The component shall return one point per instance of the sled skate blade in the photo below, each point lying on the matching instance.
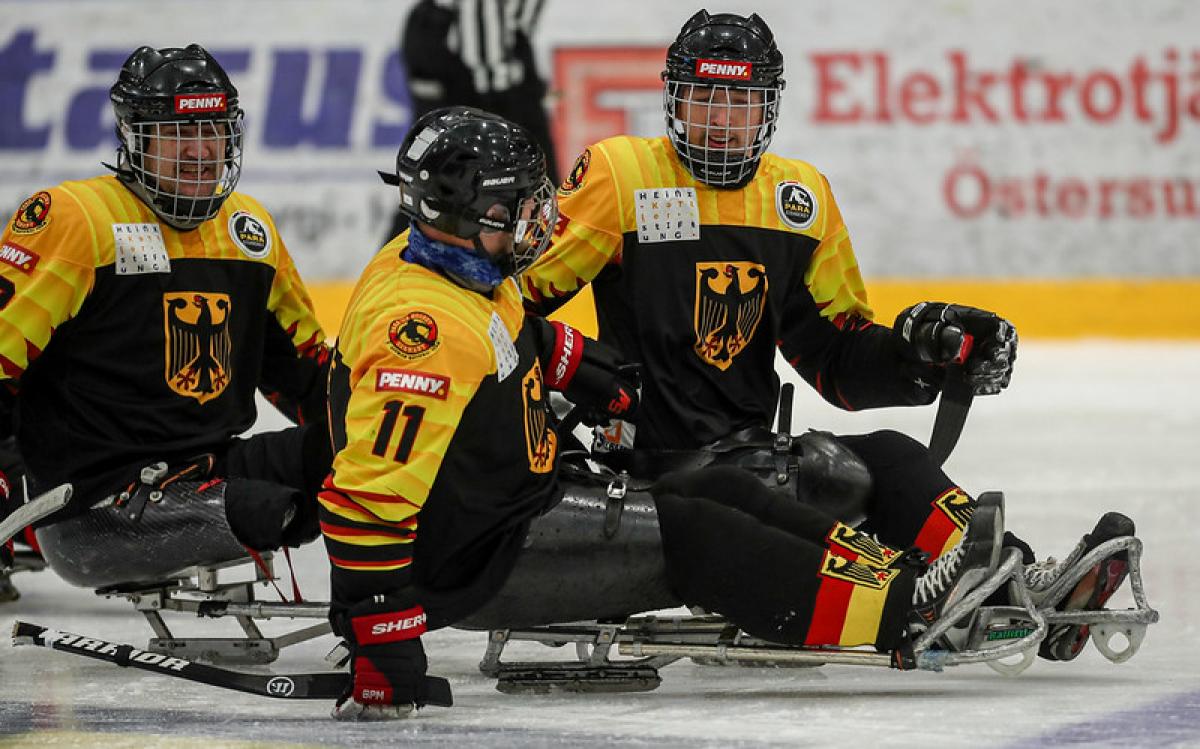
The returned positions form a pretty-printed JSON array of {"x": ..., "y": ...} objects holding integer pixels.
[
  {"x": 229, "y": 651},
  {"x": 592, "y": 671},
  {"x": 543, "y": 678}
]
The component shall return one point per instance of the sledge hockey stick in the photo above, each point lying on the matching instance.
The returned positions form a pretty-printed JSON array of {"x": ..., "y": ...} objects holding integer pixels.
[
  {"x": 34, "y": 510},
  {"x": 955, "y": 401},
  {"x": 329, "y": 685},
  {"x": 952, "y": 411}
]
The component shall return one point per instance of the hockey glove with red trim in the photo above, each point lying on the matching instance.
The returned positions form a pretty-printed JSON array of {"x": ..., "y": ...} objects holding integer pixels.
[
  {"x": 590, "y": 374},
  {"x": 983, "y": 342},
  {"x": 387, "y": 662}
]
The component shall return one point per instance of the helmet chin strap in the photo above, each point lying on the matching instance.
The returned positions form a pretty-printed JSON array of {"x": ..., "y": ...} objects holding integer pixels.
[{"x": 506, "y": 263}]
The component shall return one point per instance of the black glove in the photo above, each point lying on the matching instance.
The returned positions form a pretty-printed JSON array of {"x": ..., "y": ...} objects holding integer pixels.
[
  {"x": 265, "y": 515},
  {"x": 939, "y": 334},
  {"x": 592, "y": 375},
  {"x": 387, "y": 661}
]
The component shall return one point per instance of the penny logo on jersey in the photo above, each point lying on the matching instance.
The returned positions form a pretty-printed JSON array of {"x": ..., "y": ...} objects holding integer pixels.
[
  {"x": 199, "y": 347},
  {"x": 730, "y": 298},
  {"x": 414, "y": 335},
  {"x": 796, "y": 204},
  {"x": 541, "y": 442}
]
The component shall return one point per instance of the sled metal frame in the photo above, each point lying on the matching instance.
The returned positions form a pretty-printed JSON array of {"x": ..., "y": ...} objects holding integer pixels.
[
  {"x": 646, "y": 643},
  {"x": 199, "y": 591},
  {"x": 998, "y": 635}
]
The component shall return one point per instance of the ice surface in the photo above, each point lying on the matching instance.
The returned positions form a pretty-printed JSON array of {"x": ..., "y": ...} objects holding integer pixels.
[{"x": 1085, "y": 427}]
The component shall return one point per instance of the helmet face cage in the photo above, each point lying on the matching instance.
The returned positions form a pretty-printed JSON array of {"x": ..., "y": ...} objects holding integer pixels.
[
  {"x": 721, "y": 99},
  {"x": 185, "y": 169},
  {"x": 180, "y": 132},
  {"x": 534, "y": 225},
  {"x": 720, "y": 131}
]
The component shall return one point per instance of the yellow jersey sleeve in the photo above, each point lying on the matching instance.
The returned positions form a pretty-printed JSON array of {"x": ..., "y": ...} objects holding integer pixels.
[
  {"x": 289, "y": 300},
  {"x": 411, "y": 375},
  {"x": 833, "y": 278},
  {"x": 588, "y": 235},
  {"x": 47, "y": 270}
]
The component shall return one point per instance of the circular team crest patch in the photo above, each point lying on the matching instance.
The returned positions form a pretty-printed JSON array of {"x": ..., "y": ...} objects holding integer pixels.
[
  {"x": 796, "y": 204},
  {"x": 33, "y": 215},
  {"x": 250, "y": 235},
  {"x": 574, "y": 180},
  {"x": 413, "y": 335}
]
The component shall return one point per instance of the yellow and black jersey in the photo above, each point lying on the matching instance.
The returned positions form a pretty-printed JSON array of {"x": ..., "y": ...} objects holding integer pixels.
[
  {"x": 123, "y": 339},
  {"x": 444, "y": 445},
  {"x": 701, "y": 284}
]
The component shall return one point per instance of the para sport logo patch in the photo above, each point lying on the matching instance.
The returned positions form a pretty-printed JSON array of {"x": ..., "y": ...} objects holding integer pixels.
[
  {"x": 199, "y": 348},
  {"x": 33, "y": 215},
  {"x": 796, "y": 204},
  {"x": 574, "y": 180},
  {"x": 250, "y": 235},
  {"x": 541, "y": 442},
  {"x": 414, "y": 335}
]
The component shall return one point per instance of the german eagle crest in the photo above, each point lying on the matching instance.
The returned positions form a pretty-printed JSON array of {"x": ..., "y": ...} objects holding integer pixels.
[{"x": 730, "y": 297}]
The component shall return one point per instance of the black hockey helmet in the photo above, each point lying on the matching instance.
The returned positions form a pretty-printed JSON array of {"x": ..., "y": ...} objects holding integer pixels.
[
  {"x": 457, "y": 163},
  {"x": 157, "y": 92},
  {"x": 714, "y": 54}
]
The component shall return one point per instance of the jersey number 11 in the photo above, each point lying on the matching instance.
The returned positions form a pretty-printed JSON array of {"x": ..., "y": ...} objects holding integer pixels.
[{"x": 391, "y": 412}]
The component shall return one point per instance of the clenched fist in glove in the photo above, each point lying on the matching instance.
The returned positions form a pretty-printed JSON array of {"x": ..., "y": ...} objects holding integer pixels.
[
  {"x": 590, "y": 374},
  {"x": 983, "y": 342},
  {"x": 387, "y": 662}
]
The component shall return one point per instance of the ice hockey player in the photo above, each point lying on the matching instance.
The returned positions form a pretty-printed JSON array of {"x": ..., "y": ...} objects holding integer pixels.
[
  {"x": 447, "y": 484},
  {"x": 706, "y": 253},
  {"x": 141, "y": 312}
]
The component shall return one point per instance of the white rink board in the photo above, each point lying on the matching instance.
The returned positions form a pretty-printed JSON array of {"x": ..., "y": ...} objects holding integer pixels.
[{"x": 963, "y": 139}]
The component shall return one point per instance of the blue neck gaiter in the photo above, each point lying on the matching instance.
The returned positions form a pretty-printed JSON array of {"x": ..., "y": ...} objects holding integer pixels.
[{"x": 468, "y": 268}]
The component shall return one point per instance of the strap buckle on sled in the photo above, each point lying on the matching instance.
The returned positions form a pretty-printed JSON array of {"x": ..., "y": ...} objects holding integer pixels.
[
  {"x": 616, "y": 491},
  {"x": 155, "y": 478}
]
